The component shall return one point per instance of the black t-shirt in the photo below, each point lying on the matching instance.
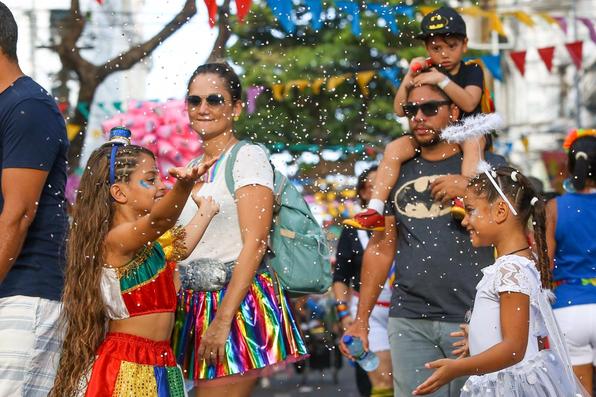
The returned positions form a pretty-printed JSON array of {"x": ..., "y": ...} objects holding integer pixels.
[
  {"x": 438, "y": 267},
  {"x": 33, "y": 135},
  {"x": 469, "y": 75},
  {"x": 349, "y": 258}
]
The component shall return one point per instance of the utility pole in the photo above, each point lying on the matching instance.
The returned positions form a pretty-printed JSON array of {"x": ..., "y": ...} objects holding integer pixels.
[{"x": 578, "y": 121}]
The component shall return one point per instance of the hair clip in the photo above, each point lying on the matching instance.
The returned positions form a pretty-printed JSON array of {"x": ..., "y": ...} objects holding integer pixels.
[
  {"x": 534, "y": 201},
  {"x": 514, "y": 176},
  {"x": 119, "y": 136},
  {"x": 493, "y": 173},
  {"x": 581, "y": 155}
]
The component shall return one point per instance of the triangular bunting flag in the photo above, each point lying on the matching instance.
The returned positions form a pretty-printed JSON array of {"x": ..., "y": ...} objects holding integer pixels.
[
  {"x": 546, "y": 54},
  {"x": 316, "y": 85},
  {"x": 562, "y": 23},
  {"x": 547, "y": 18},
  {"x": 100, "y": 2},
  {"x": 282, "y": 9},
  {"x": 362, "y": 78},
  {"x": 278, "y": 92},
  {"x": 336, "y": 81},
  {"x": 523, "y": 18},
  {"x": 575, "y": 51},
  {"x": 495, "y": 23},
  {"x": 212, "y": 11},
  {"x": 590, "y": 25},
  {"x": 493, "y": 64},
  {"x": 519, "y": 59},
  {"x": 242, "y": 9}
]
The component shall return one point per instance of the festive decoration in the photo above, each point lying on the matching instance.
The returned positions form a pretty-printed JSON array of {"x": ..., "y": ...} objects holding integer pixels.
[
  {"x": 252, "y": 93},
  {"x": 386, "y": 13},
  {"x": 282, "y": 9},
  {"x": 546, "y": 54},
  {"x": 575, "y": 51},
  {"x": 362, "y": 78},
  {"x": 211, "y": 11},
  {"x": 353, "y": 11},
  {"x": 72, "y": 130},
  {"x": 590, "y": 25},
  {"x": 316, "y": 9},
  {"x": 493, "y": 64},
  {"x": 242, "y": 9},
  {"x": 162, "y": 128},
  {"x": 519, "y": 59},
  {"x": 562, "y": 23}
]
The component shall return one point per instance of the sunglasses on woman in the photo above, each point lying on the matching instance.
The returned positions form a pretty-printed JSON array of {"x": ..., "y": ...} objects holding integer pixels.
[
  {"x": 211, "y": 100},
  {"x": 430, "y": 108}
]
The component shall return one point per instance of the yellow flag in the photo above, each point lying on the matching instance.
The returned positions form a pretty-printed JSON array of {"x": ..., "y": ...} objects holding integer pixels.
[
  {"x": 335, "y": 81},
  {"x": 362, "y": 78},
  {"x": 523, "y": 18},
  {"x": 300, "y": 84},
  {"x": 472, "y": 10},
  {"x": 495, "y": 23},
  {"x": 316, "y": 85},
  {"x": 547, "y": 18},
  {"x": 72, "y": 130},
  {"x": 278, "y": 92}
]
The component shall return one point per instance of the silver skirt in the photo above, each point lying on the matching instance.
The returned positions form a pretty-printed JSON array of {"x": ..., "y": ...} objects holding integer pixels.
[{"x": 542, "y": 376}]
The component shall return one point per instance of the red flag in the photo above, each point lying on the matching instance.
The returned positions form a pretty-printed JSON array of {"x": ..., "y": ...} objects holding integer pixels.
[
  {"x": 519, "y": 58},
  {"x": 100, "y": 2},
  {"x": 212, "y": 11},
  {"x": 242, "y": 8},
  {"x": 575, "y": 51},
  {"x": 546, "y": 54}
]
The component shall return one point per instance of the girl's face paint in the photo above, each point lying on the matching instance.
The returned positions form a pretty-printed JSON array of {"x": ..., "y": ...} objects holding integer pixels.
[{"x": 144, "y": 184}]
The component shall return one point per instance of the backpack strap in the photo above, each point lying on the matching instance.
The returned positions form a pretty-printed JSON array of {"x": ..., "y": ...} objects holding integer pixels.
[{"x": 229, "y": 175}]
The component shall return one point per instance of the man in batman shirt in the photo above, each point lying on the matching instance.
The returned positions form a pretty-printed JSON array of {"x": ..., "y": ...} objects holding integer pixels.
[{"x": 437, "y": 267}]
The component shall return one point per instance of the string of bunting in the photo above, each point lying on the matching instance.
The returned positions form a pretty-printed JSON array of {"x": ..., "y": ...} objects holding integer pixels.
[{"x": 575, "y": 50}]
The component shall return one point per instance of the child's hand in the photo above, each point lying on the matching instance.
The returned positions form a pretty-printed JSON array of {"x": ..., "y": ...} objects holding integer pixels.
[
  {"x": 185, "y": 174},
  {"x": 417, "y": 65},
  {"x": 432, "y": 77},
  {"x": 207, "y": 206},
  {"x": 445, "y": 373},
  {"x": 462, "y": 348}
]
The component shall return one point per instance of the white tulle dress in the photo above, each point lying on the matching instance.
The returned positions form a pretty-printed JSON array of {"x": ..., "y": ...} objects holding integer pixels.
[{"x": 542, "y": 372}]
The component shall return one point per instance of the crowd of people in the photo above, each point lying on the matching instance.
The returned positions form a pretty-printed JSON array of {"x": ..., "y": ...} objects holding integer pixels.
[{"x": 154, "y": 292}]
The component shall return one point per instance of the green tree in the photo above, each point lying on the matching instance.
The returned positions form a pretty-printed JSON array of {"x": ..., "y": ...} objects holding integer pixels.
[{"x": 344, "y": 116}]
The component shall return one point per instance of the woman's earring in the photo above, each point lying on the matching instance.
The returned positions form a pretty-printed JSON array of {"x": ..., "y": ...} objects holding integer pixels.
[{"x": 236, "y": 118}]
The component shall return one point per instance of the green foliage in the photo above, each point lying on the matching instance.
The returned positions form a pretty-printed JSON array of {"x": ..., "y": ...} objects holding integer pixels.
[{"x": 344, "y": 116}]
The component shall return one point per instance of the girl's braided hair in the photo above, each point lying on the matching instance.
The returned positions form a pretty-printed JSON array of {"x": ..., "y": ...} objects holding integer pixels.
[{"x": 526, "y": 201}]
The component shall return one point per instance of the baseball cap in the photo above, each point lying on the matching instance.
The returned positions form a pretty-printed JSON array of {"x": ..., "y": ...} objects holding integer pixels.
[{"x": 441, "y": 22}]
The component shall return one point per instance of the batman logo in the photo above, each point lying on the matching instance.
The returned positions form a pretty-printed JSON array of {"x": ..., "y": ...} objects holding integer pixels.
[
  {"x": 437, "y": 22},
  {"x": 414, "y": 199}
]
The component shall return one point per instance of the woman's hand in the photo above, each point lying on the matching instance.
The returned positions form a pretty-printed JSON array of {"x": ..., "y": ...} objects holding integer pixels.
[
  {"x": 445, "y": 373},
  {"x": 207, "y": 206},
  {"x": 213, "y": 343},
  {"x": 462, "y": 347}
]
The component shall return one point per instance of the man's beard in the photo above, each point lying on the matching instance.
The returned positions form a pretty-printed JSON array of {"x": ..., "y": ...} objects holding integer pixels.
[{"x": 434, "y": 141}]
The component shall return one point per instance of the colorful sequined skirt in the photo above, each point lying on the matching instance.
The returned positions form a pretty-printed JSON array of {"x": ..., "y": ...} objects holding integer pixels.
[
  {"x": 263, "y": 333},
  {"x": 131, "y": 366}
]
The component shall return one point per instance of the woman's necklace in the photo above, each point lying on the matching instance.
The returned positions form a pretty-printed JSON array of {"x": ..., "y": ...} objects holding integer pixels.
[{"x": 516, "y": 251}]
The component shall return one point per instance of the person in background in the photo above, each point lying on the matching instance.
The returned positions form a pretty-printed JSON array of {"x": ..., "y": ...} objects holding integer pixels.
[
  {"x": 346, "y": 287},
  {"x": 571, "y": 227},
  {"x": 33, "y": 224}
]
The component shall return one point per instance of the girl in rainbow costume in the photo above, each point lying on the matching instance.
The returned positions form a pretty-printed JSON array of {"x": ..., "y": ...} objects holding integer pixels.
[{"x": 121, "y": 278}]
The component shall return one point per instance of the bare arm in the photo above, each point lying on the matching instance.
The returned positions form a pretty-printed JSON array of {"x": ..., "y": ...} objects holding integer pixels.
[
  {"x": 376, "y": 264},
  {"x": 466, "y": 98},
  {"x": 129, "y": 237},
  {"x": 195, "y": 229},
  {"x": 515, "y": 318},
  {"x": 401, "y": 96},
  {"x": 551, "y": 227},
  {"x": 255, "y": 213},
  {"x": 20, "y": 206}
]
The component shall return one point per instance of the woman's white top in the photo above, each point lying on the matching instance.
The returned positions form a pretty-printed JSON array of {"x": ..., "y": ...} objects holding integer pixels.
[
  {"x": 222, "y": 240},
  {"x": 510, "y": 273}
]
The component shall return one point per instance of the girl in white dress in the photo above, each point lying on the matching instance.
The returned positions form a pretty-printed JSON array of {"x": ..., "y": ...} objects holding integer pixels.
[{"x": 514, "y": 342}]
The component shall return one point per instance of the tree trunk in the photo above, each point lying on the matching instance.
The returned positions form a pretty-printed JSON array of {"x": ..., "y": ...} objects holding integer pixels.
[{"x": 219, "y": 51}]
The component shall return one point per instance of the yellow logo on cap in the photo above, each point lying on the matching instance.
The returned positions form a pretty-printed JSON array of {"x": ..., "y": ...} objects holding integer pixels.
[{"x": 437, "y": 22}]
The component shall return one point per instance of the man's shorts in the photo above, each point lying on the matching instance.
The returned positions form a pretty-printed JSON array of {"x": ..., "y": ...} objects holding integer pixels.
[
  {"x": 30, "y": 345},
  {"x": 378, "y": 340}
]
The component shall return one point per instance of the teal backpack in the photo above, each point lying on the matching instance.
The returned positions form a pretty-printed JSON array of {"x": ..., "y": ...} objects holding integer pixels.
[{"x": 300, "y": 253}]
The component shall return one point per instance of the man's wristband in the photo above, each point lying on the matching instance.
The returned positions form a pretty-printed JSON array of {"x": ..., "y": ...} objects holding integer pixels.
[{"x": 443, "y": 83}]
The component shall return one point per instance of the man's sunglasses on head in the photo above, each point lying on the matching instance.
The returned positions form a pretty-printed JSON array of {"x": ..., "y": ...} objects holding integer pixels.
[
  {"x": 211, "y": 100},
  {"x": 430, "y": 108}
]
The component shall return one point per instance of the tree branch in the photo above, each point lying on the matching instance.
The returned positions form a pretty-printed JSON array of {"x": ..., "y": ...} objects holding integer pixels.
[
  {"x": 69, "y": 35},
  {"x": 218, "y": 53},
  {"x": 132, "y": 56}
]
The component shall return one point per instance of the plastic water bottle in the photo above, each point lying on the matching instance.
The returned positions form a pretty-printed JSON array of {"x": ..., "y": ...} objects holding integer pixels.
[{"x": 367, "y": 360}]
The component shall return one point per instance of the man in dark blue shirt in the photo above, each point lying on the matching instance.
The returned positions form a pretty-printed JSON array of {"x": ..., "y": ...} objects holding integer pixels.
[{"x": 33, "y": 223}]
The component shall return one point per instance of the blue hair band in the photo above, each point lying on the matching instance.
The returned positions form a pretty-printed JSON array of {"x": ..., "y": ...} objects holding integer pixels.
[{"x": 119, "y": 136}]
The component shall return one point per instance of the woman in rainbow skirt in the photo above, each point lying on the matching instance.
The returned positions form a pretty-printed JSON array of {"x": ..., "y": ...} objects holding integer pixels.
[{"x": 232, "y": 324}]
